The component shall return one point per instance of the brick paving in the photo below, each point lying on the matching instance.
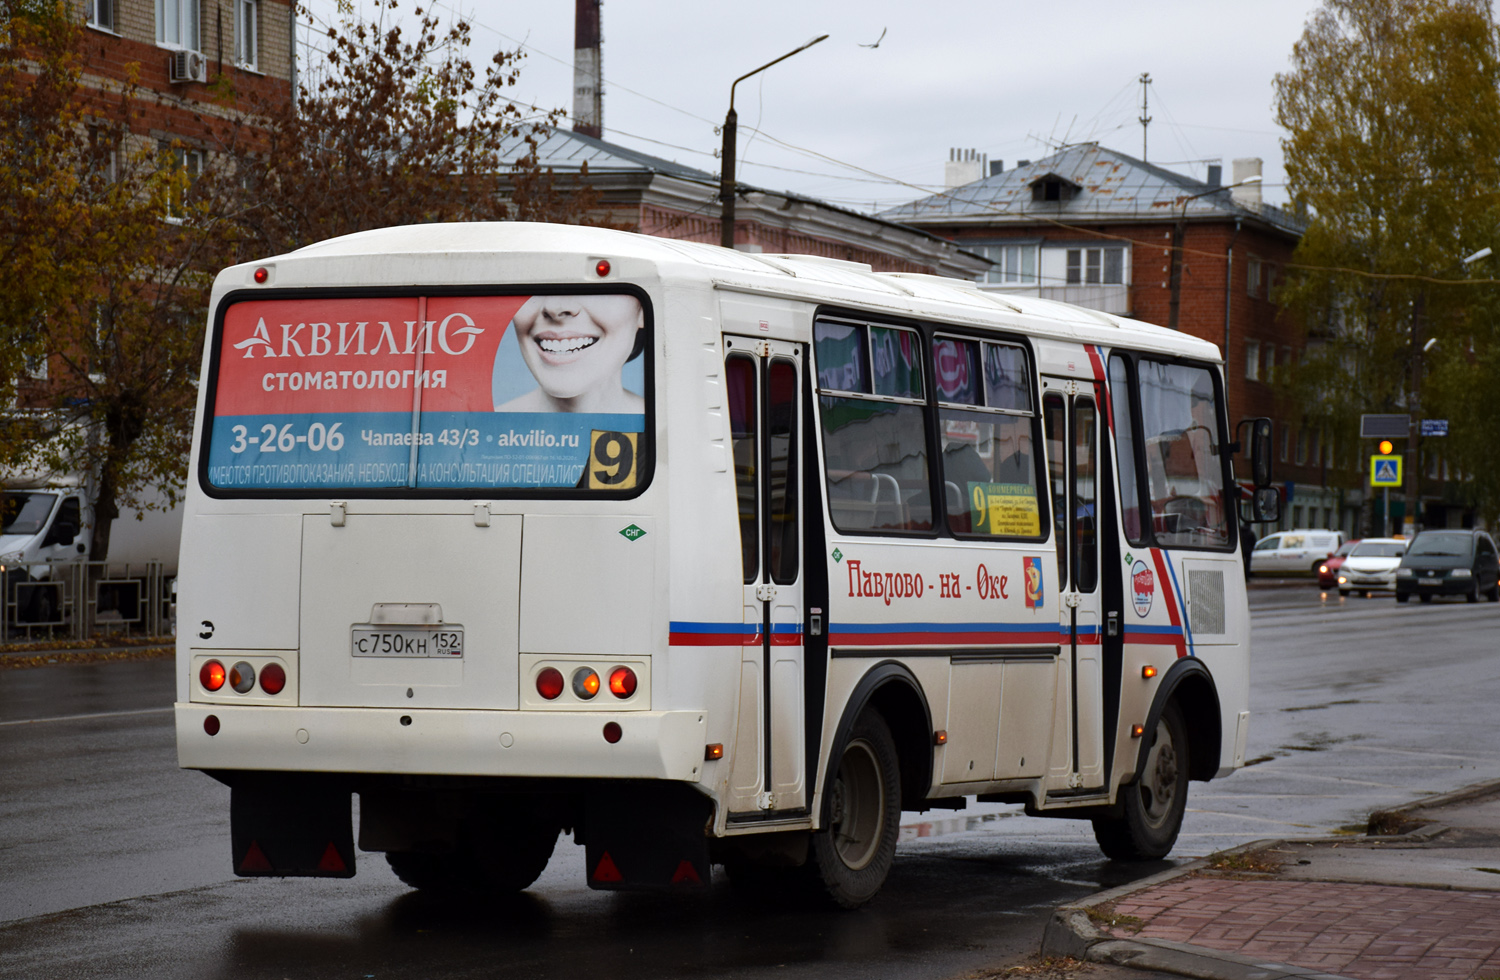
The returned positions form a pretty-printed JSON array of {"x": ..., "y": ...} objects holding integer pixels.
[{"x": 1368, "y": 932}]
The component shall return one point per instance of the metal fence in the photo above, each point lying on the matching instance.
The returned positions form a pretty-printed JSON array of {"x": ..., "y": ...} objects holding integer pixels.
[{"x": 81, "y": 599}]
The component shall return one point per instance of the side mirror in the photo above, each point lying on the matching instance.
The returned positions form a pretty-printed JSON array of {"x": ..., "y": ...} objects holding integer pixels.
[
  {"x": 1260, "y": 449},
  {"x": 1261, "y": 507},
  {"x": 63, "y": 532}
]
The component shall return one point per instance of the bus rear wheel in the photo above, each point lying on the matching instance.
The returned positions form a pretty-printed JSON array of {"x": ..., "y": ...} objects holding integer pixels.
[
  {"x": 853, "y": 853},
  {"x": 1152, "y": 806},
  {"x": 491, "y": 858}
]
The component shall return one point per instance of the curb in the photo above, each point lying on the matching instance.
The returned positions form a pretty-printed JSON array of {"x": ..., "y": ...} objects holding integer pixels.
[{"x": 1070, "y": 932}]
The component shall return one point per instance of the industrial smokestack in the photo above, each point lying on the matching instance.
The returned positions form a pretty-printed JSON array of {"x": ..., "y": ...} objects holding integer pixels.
[{"x": 588, "y": 71}]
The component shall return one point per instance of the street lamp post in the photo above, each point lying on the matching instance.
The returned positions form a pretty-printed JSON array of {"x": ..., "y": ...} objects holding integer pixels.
[
  {"x": 1179, "y": 228},
  {"x": 731, "y": 122}
]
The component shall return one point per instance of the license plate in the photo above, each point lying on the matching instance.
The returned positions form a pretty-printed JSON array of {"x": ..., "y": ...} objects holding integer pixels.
[
  {"x": 1430, "y": 581},
  {"x": 428, "y": 642}
]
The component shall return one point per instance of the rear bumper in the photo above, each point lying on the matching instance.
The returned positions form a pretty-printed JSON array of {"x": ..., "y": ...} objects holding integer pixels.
[
  {"x": 653, "y": 744},
  {"x": 1434, "y": 586}
]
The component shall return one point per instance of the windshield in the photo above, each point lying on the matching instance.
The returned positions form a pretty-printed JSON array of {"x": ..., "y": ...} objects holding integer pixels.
[
  {"x": 25, "y": 513},
  {"x": 1348, "y": 546},
  {"x": 1453, "y": 544},
  {"x": 489, "y": 393},
  {"x": 1378, "y": 549}
]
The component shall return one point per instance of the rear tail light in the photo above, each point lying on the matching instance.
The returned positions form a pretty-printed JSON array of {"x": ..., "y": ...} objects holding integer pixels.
[
  {"x": 211, "y": 675},
  {"x": 622, "y": 682},
  {"x": 549, "y": 683},
  {"x": 585, "y": 683},
  {"x": 242, "y": 677},
  {"x": 272, "y": 678}
]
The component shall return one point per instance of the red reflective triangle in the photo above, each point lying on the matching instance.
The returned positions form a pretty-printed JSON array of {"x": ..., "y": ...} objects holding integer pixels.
[
  {"x": 606, "y": 870},
  {"x": 255, "y": 859},
  {"x": 331, "y": 860},
  {"x": 686, "y": 874}
]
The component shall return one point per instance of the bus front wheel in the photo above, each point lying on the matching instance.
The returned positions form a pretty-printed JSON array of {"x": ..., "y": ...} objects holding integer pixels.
[
  {"x": 852, "y": 854},
  {"x": 1153, "y": 805}
]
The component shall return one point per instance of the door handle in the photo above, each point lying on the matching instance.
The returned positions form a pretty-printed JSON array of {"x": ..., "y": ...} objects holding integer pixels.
[
  {"x": 1112, "y": 624},
  {"x": 815, "y": 622}
]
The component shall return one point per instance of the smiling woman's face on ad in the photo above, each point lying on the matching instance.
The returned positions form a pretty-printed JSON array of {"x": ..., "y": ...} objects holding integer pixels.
[{"x": 575, "y": 346}]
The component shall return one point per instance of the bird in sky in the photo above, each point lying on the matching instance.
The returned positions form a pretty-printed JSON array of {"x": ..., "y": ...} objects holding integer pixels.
[{"x": 877, "y": 40}]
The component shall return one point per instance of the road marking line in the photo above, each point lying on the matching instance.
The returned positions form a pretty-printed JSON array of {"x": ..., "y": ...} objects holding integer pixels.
[{"x": 101, "y": 714}]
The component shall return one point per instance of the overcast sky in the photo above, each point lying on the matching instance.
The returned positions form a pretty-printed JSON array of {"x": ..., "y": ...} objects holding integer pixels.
[{"x": 861, "y": 126}]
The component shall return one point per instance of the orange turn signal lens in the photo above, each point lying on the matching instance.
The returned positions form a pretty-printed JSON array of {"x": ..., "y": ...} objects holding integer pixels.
[
  {"x": 712, "y": 751},
  {"x": 585, "y": 682},
  {"x": 1148, "y": 672},
  {"x": 212, "y": 675},
  {"x": 1136, "y": 731},
  {"x": 940, "y": 737}
]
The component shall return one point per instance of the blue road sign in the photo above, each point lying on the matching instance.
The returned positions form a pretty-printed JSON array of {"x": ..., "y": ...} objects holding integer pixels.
[
  {"x": 1434, "y": 427},
  {"x": 1385, "y": 471}
]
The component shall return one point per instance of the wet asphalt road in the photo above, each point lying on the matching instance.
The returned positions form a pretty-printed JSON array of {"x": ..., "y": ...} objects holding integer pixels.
[{"x": 113, "y": 863}]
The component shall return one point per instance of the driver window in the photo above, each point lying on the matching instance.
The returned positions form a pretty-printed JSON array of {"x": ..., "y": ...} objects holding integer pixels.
[{"x": 1184, "y": 455}]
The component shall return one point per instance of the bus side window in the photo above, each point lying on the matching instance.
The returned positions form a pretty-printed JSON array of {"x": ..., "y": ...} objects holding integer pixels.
[
  {"x": 1184, "y": 455},
  {"x": 988, "y": 428},
  {"x": 872, "y": 410},
  {"x": 1053, "y": 418},
  {"x": 743, "y": 418}
]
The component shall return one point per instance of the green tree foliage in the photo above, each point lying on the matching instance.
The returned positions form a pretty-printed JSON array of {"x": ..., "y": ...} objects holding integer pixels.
[{"x": 1393, "y": 119}]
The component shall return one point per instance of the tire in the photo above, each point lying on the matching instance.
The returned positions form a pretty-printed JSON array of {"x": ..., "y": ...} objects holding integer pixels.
[
  {"x": 851, "y": 856},
  {"x": 1402, "y": 597},
  {"x": 1494, "y": 593},
  {"x": 1473, "y": 594},
  {"x": 1364, "y": 593},
  {"x": 1343, "y": 593},
  {"x": 1316, "y": 565},
  {"x": 1425, "y": 597},
  {"x": 1153, "y": 805},
  {"x": 492, "y": 858}
]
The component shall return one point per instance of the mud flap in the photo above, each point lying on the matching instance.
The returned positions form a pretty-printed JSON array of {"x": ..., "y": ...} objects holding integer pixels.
[
  {"x": 285, "y": 826},
  {"x": 644, "y": 836}
]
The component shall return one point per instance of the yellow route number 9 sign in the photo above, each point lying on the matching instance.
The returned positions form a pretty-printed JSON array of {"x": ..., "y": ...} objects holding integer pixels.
[
  {"x": 1004, "y": 508},
  {"x": 612, "y": 460}
]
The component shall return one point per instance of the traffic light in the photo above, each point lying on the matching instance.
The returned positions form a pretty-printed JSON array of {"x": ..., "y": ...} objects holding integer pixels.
[{"x": 1385, "y": 447}]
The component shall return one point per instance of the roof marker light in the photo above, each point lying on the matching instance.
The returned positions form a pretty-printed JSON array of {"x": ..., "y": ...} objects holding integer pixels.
[
  {"x": 602, "y": 267},
  {"x": 262, "y": 274}
]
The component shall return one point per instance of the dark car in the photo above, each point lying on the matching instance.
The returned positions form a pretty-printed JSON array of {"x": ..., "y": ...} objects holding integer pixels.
[{"x": 1462, "y": 563}]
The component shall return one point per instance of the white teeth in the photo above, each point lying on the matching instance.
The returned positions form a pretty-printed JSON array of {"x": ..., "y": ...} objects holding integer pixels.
[{"x": 566, "y": 346}]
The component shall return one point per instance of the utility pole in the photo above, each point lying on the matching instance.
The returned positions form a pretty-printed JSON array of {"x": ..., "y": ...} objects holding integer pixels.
[{"x": 1145, "y": 110}]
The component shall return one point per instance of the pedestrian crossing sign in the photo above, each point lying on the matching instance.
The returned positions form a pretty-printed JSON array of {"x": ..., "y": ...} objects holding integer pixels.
[{"x": 1385, "y": 471}]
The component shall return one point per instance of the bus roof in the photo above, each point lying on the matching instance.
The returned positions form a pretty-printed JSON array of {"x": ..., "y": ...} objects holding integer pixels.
[{"x": 439, "y": 254}]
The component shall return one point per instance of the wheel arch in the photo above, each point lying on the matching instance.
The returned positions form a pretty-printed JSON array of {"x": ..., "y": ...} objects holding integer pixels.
[
  {"x": 891, "y": 689},
  {"x": 1189, "y": 683}
]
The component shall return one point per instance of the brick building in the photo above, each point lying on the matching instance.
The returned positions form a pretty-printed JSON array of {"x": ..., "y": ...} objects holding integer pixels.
[
  {"x": 1095, "y": 227},
  {"x": 198, "y": 64}
]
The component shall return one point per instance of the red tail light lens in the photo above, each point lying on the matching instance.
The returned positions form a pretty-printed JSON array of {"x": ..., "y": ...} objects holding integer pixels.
[
  {"x": 549, "y": 683},
  {"x": 211, "y": 675},
  {"x": 622, "y": 682},
  {"x": 272, "y": 678},
  {"x": 585, "y": 683}
]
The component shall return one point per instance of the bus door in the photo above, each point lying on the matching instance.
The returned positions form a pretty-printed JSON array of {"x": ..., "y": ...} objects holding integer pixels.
[
  {"x": 764, "y": 382},
  {"x": 1071, "y": 419}
]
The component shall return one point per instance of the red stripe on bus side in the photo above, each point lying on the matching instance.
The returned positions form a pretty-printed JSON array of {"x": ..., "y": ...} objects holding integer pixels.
[
  {"x": 714, "y": 639},
  {"x": 1171, "y": 599}
]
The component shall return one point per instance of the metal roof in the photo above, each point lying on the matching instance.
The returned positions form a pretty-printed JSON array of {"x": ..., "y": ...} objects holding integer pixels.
[
  {"x": 1112, "y": 186},
  {"x": 563, "y": 149}
]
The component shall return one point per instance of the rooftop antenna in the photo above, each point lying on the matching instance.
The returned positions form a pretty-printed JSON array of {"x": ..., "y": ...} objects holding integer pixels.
[{"x": 1145, "y": 111}]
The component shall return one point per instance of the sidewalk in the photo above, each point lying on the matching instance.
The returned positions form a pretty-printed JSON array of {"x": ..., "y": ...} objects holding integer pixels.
[{"x": 1419, "y": 902}]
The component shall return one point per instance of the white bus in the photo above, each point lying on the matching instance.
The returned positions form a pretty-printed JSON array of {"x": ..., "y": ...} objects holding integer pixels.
[{"x": 706, "y": 557}]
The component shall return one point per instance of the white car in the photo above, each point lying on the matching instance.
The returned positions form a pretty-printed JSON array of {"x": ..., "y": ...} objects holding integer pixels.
[
  {"x": 1292, "y": 552},
  {"x": 1371, "y": 565}
]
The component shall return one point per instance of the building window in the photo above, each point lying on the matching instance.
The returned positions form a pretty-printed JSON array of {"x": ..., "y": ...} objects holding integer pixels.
[
  {"x": 104, "y": 146},
  {"x": 1252, "y": 360},
  {"x": 247, "y": 33},
  {"x": 101, "y": 14},
  {"x": 180, "y": 161},
  {"x": 1301, "y": 447},
  {"x": 1095, "y": 266},
  {"x": 177, "y": 23},
  {"x": 1252, "y": 279},
  {"x": 1286, "y": 432},
  {"x": 36, "y": 366},
  {"x": 1014, "y": 264}
]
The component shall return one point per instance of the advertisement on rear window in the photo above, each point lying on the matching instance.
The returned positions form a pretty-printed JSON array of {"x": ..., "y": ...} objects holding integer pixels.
[{"x": 431, "y": 392}]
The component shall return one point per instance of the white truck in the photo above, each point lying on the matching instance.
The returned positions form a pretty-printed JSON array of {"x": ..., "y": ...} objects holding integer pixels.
[{"x": 46, "y": 537}]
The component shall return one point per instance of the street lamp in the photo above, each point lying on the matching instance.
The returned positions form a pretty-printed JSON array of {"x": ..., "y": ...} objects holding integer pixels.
[
  {"x": 731, "y": 121},
  {"x": 1178, "y": 229}
]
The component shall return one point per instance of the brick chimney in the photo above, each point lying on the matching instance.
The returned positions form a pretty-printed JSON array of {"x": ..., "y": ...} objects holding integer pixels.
[{"x": 588, "y": 71}]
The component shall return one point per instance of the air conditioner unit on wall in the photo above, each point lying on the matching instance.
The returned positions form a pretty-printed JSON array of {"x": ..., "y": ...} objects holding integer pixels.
[{"x": 187, "y": 66}]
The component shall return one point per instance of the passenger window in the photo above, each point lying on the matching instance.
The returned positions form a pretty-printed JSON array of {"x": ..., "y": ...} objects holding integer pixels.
[
  {"x": 1122, "y": 396},
  {"x": 874, "y": 426},
  {"x": 988, "y": 429},
  {"x": 739, "y": 369}
]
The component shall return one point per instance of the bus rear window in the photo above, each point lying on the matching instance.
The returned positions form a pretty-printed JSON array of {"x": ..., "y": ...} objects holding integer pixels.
[{"x": 491, "y": 393}]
